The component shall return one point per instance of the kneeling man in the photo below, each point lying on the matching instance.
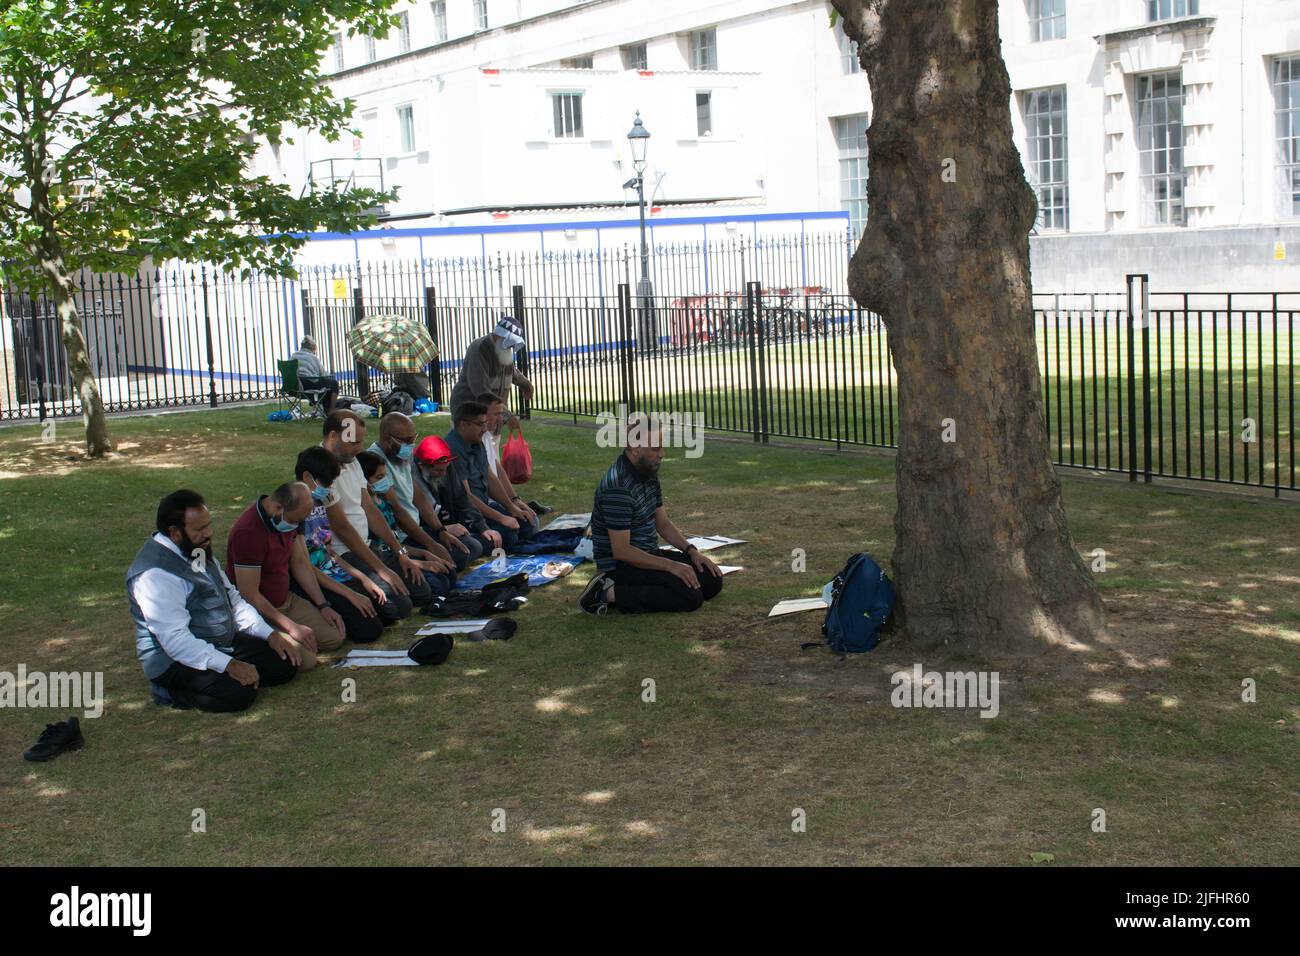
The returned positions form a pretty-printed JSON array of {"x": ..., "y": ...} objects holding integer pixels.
[
  {"x": 200, "y": 643},
  {"x": 632, "y": 572}
]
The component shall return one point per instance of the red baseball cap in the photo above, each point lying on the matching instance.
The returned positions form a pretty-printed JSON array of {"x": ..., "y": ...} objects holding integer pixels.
[{"x": 433, "y": 449}]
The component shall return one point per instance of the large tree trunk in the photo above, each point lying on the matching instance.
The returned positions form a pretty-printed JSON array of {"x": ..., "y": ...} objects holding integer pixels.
[
  {"x": 50, "y": 257},
  {"x": 983, "y": 556}
]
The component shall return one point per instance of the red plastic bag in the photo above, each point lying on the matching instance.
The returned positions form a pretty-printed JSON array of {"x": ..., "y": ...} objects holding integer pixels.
[{"x": 516, "y": 459}]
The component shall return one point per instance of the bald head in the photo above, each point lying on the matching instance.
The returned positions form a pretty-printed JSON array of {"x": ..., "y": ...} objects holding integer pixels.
[
  {"x": 292, "y": 502},
  {"x": 394, "y": 423}
]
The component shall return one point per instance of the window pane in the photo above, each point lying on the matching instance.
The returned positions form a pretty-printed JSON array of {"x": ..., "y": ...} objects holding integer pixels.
[
  {"x": 1047, "y": 166},
  {"x": 1286, "y": 106},
  {"x": 851, "y": 137},
  {"x": 1160, "y": 146},
  {"x": 704, "y": 114}
]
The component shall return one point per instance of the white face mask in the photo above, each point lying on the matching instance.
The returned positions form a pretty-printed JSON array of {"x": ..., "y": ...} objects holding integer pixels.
[{"x": 505, "y": 355}]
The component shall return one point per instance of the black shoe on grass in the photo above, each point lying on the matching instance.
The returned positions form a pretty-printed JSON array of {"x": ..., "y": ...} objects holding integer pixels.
[
  {"x": 592, "y": 600},
  {"x": 540, "y": 509},
  {"x": 55, "y": 739}
]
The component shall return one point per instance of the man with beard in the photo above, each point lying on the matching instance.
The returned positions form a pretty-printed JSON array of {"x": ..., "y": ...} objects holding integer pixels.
[
  {"x": 489, "y": 366},
  {"x": 632, "y": 572},
  {"x": 200, "y": 643}
]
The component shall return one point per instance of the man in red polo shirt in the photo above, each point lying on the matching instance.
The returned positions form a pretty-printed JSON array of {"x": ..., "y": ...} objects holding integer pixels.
[{"x": 263, "y": 552}]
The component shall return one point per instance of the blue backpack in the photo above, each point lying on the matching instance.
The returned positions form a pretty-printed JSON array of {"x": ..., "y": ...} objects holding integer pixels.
[{"x": 859, "y": 601}]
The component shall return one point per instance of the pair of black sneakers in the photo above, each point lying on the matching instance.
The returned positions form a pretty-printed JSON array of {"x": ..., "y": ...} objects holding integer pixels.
[{"x": 54, "y": 740}]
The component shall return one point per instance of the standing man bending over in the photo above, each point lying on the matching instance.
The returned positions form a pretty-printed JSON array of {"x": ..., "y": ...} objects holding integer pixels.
[
  {"x": 632, "y": 572},
  {"x": 200, "y": 643}
]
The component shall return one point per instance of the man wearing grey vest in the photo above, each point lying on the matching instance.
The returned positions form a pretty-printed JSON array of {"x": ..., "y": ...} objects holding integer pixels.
[{"x": 200, "y": 643}]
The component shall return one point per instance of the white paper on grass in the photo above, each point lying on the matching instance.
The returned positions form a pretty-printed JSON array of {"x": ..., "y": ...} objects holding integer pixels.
[
  {"x": 729, "y": 568},
  {"x": 795, "y": 605},
  {"x": 450, "y": 627},
  {"x": 709, "y": 542},
  {"x": 377, "y": 659},
  {"x": 569, "y": 522}
]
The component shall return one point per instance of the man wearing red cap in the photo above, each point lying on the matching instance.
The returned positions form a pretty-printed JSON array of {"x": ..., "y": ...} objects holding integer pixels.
[{"x": 454, "y": 513}]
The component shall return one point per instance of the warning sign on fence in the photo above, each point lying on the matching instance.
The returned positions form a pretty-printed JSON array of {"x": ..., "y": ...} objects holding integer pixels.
[{"x": 340, "y": 288}]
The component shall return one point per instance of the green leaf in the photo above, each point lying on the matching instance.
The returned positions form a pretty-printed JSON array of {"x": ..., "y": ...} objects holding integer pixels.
[{"x": 1042, "y": 857}]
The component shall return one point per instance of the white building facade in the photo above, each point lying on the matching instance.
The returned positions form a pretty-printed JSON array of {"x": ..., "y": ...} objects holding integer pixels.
[{"x": 1160, "y": 135}]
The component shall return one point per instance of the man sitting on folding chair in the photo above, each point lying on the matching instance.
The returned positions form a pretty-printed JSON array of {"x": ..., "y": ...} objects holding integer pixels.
[{"x": 315, "y": 386}]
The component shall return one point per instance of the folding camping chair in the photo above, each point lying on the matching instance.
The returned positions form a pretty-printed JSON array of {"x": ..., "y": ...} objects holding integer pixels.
[{"x": 295, "y": 396}]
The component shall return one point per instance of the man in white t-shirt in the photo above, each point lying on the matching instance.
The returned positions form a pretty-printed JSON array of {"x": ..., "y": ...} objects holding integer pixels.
[
  {"x": 498, "y": 481},
  {"x": 354, "y": 518}
]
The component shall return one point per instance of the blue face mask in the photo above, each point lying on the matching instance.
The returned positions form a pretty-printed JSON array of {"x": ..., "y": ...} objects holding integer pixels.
[
  {"x": 379, "y": 487},
  {"x": 284, "y": 527},
  {"x": 405, "y": 452},
  {"x": 320, "y": 494}
]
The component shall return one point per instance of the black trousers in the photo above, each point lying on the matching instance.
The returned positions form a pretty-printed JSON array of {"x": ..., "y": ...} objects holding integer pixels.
[
  {"x": 399, "y": 606},
  {"x": 328, "y": 382},
  {"x": 463, "y": 559},
  {"x": 357, "y": 627},
  {"x": 208, "y": 690},
  {"x": 641, "y": 591}
]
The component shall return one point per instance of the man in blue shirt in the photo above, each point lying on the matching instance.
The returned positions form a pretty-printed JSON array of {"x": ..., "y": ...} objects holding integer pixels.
[
  {"x": 471, "y": 465},
  {"x": 627, "y": 519}
]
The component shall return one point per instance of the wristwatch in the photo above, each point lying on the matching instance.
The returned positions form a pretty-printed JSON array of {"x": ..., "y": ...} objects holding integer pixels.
[
  {"x": 402, "y": 550},
  {"x": 322, "y": 606},
  {"x": 690, "y": 548}
]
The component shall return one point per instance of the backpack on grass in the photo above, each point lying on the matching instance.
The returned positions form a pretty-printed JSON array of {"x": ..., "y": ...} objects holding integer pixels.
[{"x": 859, "y": 603}]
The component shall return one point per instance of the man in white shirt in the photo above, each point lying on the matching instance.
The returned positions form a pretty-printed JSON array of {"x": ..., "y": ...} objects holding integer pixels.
[
  {"x": 354, "y": 517},
  {"x": 200, "y": 643},
  {"x": 526, "y": 522}
]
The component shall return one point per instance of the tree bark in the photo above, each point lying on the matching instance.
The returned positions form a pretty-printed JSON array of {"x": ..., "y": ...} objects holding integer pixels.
[{"x": 983, "y": 556}]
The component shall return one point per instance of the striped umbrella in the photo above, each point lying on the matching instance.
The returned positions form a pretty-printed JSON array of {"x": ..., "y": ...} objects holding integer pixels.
[{"x": 392, "y": 343}]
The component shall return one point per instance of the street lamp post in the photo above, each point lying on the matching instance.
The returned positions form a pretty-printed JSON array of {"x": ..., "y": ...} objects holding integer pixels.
[{"x": 638, "y": 139}]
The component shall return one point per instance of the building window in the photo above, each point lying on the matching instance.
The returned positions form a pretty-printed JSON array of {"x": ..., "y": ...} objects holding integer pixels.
[
  {"x": 634, "y": 57},
  {"x": 1046, "y": 156},
  {"x": 579, "y": 63},
  {"x": 480, "y": 15},
  {"x": 403, "y": 33},
  {"x": 704, "y": 49},
  {"x": 371, "y": 53},
  {"x": 439, "y": 21},
  {"x": 851, "y": 136},
  {"x": 1160, "y": 147},
  {"x": 1046, "y": 20},
  {"x": 1286, "y": 91},
  {"x": 406, "y": 126},
  {"x": 1169, "y": 9},
  {"x": 848, "y": 50},
  {"x": 567, "y": 110},
  {"x": 704, "y": 113},
  {"x": 338, "y": 52}
]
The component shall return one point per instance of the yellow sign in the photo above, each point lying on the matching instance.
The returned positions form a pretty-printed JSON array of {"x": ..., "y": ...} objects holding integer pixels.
[
  {"x": 340, "y": 288},
  {"x": 1279, "y": 250}
]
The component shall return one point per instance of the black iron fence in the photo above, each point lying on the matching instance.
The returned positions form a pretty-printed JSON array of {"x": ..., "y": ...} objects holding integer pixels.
[{"x": 1185, "y": 385}]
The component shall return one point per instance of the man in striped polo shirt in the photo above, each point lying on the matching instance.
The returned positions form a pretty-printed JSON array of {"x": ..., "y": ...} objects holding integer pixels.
[{"x": 632, "y": 572}]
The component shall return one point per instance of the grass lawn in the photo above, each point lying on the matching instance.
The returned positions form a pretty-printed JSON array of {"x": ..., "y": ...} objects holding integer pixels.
[{"x": 1148, "y": 723}]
